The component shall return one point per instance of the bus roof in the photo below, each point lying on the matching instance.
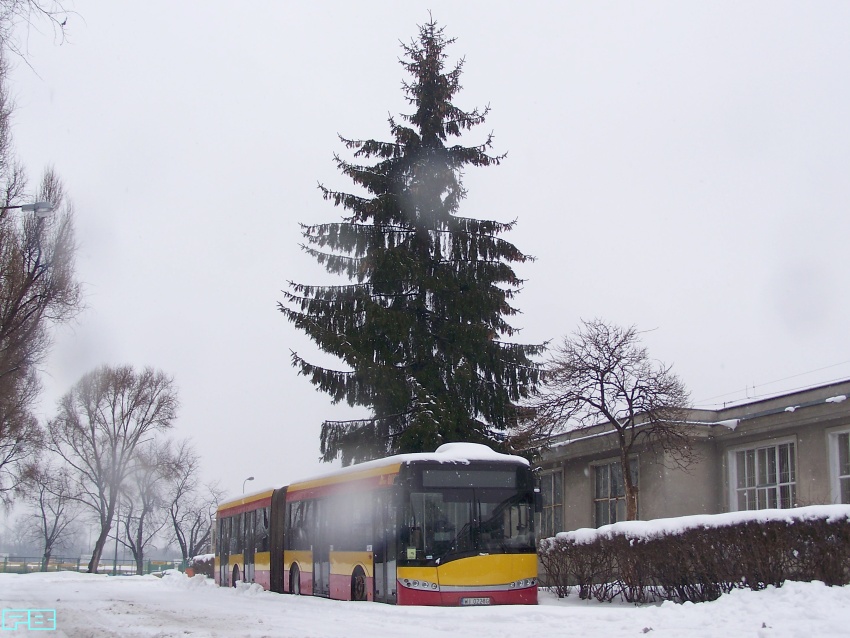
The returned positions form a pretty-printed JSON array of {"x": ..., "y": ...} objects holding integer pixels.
[
  {"x": 459, "y": 453},
  {"x": 245, "y": 499}
]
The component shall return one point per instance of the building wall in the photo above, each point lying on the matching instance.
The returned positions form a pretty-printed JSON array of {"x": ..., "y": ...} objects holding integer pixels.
[
  {"x": 668, "y": 490},
  {"x": 808, "y": 418},
  {"x": 811, "y": 437},
  {"x": 578, "y": 504}
]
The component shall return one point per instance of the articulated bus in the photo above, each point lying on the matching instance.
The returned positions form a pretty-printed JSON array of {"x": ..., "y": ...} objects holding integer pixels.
[{"x": 453, "y": 527}]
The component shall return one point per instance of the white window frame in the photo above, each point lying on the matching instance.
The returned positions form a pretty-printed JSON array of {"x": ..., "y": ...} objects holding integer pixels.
[
  {"x": 553, "y": 507},
  {"x": 732, "y": 464},
  {"x": 834, "y": 469},
  {"x": 633, "y": 460}
]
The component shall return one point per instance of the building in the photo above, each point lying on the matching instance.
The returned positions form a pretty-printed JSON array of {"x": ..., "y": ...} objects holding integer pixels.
[{"x": 785, "y": 451}]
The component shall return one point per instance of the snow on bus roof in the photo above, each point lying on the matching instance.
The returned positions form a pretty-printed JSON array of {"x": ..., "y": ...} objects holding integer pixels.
[
  {"x": 232, "y": 501},
  {"x": 461, "y": 453}
]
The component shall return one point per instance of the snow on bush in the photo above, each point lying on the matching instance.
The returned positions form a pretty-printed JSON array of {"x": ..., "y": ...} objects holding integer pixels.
[{"x": 667, "y": 526}]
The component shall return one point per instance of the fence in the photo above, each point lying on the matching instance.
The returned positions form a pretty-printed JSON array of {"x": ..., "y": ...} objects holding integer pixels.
[{"x": 27, "y": 564}]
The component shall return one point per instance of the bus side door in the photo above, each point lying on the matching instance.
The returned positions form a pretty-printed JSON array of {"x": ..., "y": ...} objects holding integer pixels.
[
  {"x": 321, "y": 550},
  {"x": 224, "y": 551},
  {"x": 386, "y": 545},
  {"x": 248, "y": 553}
]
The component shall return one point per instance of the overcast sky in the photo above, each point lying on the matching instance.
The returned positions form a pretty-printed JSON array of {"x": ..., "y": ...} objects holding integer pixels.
[{"x": 684, "y": 167}]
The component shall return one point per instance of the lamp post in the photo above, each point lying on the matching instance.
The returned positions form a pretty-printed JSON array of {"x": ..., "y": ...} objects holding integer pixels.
[
  {"x": 250, "y": 478},
  {"x": 42, "y": 210}
]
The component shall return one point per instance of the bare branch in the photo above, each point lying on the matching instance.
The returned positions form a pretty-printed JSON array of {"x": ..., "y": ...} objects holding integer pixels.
[
  {"x": 49, "y": 493},
  {"x": 190, "y": 504},
  {"x": 602, "y": 376}
]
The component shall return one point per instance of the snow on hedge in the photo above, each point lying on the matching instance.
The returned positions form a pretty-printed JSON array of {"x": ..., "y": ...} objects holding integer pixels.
[{"x": 668, "y": 526}]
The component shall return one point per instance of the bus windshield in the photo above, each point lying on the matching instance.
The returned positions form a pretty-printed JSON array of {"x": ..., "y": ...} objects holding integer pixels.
[{"x": 451, "y": 523}]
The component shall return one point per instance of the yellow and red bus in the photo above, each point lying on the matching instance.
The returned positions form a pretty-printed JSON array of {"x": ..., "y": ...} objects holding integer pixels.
[{"x": 453, "y": 527}]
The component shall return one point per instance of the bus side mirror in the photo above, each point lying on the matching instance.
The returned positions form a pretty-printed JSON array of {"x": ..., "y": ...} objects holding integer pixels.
[{"x": 538, "y": 501}]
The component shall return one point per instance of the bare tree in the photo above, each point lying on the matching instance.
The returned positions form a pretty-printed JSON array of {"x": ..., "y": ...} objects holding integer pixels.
[
  {"x": 20, "y": 440},
  {"x": 143, "y": 509},
  {"x": 18, "y": 536},
  {"x": 602, "y": 375},
  {"x": 37, "y": 290},
  {"x": 100, "y": 425},
  {"x": 191, "y": 504},
  {"x": 24, "y": 15},
  {"x": 54, "y": 508}
]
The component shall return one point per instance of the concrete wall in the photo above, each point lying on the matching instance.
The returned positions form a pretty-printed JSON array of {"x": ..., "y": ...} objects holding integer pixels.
[
  {"x": 811, "y": 436},
  {"x": 668, "y": 490},
  {"x": 807, "y": 418}
]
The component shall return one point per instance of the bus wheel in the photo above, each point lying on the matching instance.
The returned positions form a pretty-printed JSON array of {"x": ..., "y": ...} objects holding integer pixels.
[
  {"x": 235, "y": 576},
  {"x": 358, "y": 585},
  {"x": 295, "y": 581}
]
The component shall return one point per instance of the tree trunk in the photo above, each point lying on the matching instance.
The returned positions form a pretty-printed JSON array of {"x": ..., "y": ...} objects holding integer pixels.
[
  {"x": 631, "y": 501},
  {"x": 631, "y": 488},
  {"x": 45, "y": 559},
  {"x": 98, "y": 548},
  {"x": 181, "y": 540}
]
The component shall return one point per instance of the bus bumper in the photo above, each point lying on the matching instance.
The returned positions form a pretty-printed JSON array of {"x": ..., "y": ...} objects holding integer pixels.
[{"x": 470, "y": 597}]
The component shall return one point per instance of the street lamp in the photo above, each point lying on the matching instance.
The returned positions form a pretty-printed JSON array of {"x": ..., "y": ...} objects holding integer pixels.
[
  {"x": 250, "y": 478},
  {"x": 42, "y": 210}
]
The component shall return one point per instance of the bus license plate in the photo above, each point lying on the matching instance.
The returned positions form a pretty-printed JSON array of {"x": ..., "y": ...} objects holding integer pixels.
[{"x": 474, "y": 601}]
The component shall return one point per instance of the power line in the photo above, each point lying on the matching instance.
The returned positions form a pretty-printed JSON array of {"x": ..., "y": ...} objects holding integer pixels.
[{"x": 767, "y": 383}]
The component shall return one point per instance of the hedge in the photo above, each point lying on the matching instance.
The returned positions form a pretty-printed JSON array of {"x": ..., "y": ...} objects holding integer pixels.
[{"x": 698, "y": 558}]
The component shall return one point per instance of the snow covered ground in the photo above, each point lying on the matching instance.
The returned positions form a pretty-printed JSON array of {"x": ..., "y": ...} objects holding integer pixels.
[{"x": 148, "y": 607}]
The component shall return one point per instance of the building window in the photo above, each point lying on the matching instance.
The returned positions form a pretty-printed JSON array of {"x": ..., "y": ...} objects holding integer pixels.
[
  {"x": 765, "y": 477},
  {"x": 609, "y": 499},
  {"x": 840, "y": 462},
  {"x": 552, "y": 489}
]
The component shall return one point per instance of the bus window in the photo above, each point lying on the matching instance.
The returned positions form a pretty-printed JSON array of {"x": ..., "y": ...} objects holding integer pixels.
[
  {"x": 300, "y": 524},
  {"x": 360, "y": 526},
  {"x": 506, "y": 525},
  {"x": 442, "y": 522},
  {"x": 349, "y": 521},
  {"x": 224, "y": 534},
  {"x": 461, "y": 521},
  {"x": 248, "y": 520},
  {"x": 236, "y": 534},
  {"x": 261, "y": 530}
]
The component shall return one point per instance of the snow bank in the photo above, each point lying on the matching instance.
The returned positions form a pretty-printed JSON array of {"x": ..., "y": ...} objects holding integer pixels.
[
  {"x": 141, "y": 607},
  {"x": 176, "y": 578}
]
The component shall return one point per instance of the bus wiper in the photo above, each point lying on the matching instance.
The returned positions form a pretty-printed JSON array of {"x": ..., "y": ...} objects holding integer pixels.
[{"x": 454, "y": 545}]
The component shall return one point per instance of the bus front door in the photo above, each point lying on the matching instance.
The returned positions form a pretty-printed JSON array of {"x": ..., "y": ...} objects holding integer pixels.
[{"x": 386, "y": 550}]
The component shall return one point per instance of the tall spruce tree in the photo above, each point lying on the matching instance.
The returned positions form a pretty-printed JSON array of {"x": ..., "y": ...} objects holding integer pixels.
[{"x": 420, "y": 325}]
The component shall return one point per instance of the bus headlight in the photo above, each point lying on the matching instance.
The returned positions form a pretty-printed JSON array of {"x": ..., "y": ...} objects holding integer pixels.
[
  {"x": 523, "y": 583},
  {"x": 423, "y": 585}
]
